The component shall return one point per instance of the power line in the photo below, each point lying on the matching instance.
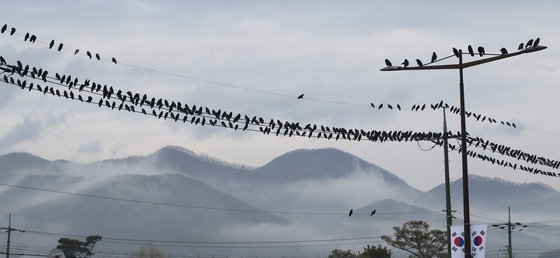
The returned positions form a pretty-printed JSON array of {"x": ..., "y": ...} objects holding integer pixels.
[{"x": 206, "y": 207}]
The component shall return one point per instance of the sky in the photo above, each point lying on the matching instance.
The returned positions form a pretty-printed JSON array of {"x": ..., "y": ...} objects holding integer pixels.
[{"x": 256, "y": 57}]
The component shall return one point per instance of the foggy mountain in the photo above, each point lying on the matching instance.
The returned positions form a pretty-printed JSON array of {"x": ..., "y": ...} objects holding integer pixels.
[
  {"x": 489, "y": 193},
  {"x": 174, "y": 193}
]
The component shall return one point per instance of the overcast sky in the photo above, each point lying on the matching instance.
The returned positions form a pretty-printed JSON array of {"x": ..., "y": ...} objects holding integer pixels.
[{"x": 256, "y": 57}]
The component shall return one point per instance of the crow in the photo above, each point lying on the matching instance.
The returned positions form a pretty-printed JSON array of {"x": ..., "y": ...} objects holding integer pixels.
[
  {"x": 471, "y": 51},
  {"x": 388, "y": 63},
  {"x": 504, "y": 51},
  {"x": 456, "y": 52},
  {"x": 481, "y": 51}
]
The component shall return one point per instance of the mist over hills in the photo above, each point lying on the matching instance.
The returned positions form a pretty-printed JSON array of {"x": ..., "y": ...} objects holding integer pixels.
[{"x": 175, "y": 193}]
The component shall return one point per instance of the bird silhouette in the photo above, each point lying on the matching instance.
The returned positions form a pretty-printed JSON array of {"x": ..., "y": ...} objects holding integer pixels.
[
  {"x": 350, "y": 213},
  {"x": 97, "y": 56},
  {"x": 60, "y": 46},
  {"x": 471, "y": 51},
  {"x": 372, "y": 213},
  {"x": 114, "y": 60},
  {"x": 388, "y": 63},
  {"x": 300, "y": 96},
  {"x": 504, "y": 51},
  {"x": 434, "y": 57},
  {"x": 456, "y": 52},
  {"x": 4, "y": 28},
  {"x": 13, "y": 31},
  {"x": 26, "y": 36},
  {"x": 481, "y": 51},
  {"x": 88, "y": 54},
  {"x": 537, "y": 41},
  {"x": 372, "y": 105},
  {"x": 51, "y": 45},
  {"x": 76, "y": 51},
  {"x": 405, "y": 63},
  {"x": 529, "y": 43},
  {"x": 33, "y": 38},
  {"x": 419, "y": 62},
  {"x": 520, "y": 46}
]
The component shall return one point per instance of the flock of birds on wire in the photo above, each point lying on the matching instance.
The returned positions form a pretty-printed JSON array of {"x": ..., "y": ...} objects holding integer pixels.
[
  {"x": 70, "y": 87},
  {"x": 481, "y": 52},
  {"x": 32, "y": 38}
]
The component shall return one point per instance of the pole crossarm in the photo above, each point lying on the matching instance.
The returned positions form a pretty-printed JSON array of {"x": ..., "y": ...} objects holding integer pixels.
[{"x": 465, "y": 65}]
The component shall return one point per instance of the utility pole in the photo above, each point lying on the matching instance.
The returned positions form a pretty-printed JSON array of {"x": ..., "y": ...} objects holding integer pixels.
[
  {"x": 510, "y": 228},
  {"x": 9, "y": 229},
  {"x": 460, "y": 66},
  {"x": 447, "y": 190}
]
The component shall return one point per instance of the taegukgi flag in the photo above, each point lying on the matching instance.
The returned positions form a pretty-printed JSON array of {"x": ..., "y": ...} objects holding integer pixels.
[{"x": 478, "y": 241}]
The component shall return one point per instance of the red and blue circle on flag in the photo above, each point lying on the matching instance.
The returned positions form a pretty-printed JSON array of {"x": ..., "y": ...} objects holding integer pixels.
[
  {"x": 477, "y": 241},
  {"x": 459, "y": 241}
]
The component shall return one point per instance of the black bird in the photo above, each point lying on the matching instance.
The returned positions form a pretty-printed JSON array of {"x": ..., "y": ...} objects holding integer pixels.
[
  {"x": 456, "y": 52},
  {"x": 399, "y": 106},
  {"x": 388, "y": 63},
  {"x": 13, "y": 31},
  {"x": 51, "y": 45},
  {"x": 405, "y": 63},
  {"x": 536, "y": 42},
  {"x": 4, "y": 28},
  {"x": 114, "y": 60},
  {"x": 350, "y": 213},
  {"x": 471, "y": 51},
  {"x": 419, "y": 62},
  {"x": 372, "y": 213},
  {"x": 481, "y": 51},
  {"x": 32, "y": 38},
  {"x": 372, "y": 105},
  {"x": 76, "y": 51},
  {"x": 520, "y": 46},
  {"x": 434, "y": 57},
  {"x": 60, "y": 46},
  {"x": 88, "y": 54},
  {"x": 504, "y": 51},
  {"x": 380, "y": 106},
  {"x": 26, "y": 36},
  {"x": 300, "y": 96},
  {"x": 529, "y": 43},
  {"x": 97, "y": 56}
]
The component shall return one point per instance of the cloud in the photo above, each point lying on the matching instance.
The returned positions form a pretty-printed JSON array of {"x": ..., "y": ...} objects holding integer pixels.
[{"x": 28, "y": 130}]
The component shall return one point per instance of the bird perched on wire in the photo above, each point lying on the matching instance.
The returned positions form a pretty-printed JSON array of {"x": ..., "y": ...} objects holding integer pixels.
[
  {"x": 351, "y": 212},
  {"x": 388, "y": 63},
  {"x": 372, "y": 213},
  {"x": 529, "y": 43},
  {"x": 481, "y": 51},
  {"x": 419, "y": 62},
  {"x": 300, "y": 96},
  {"x": 504, "y": 51},
  {"x": 536, "y": 43},
  {"x": 520, "y": 46},
  {"x": 405, "y": 63},
  {"x": 434, "y": 57},
  {"x": 470, "y": 49},
  {"x": 456, "y": 52}
]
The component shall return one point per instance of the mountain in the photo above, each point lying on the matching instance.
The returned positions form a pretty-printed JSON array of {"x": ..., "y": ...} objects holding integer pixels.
[
  {"x": 489, "y": 193},
  {"x": 175, "y": 194}
]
